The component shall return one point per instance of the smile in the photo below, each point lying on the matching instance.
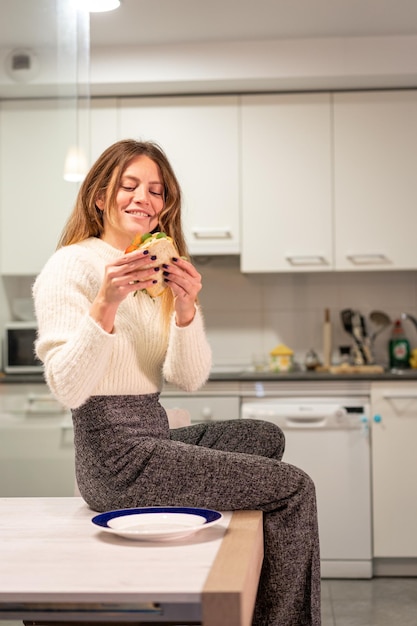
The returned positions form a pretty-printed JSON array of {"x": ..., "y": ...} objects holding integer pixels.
[{"x": 138, "y": 213}]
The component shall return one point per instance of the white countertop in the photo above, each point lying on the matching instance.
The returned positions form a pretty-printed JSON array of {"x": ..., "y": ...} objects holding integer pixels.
[
  {"x": 50, "y": 551},
  {"x": 56, "y": 565}
]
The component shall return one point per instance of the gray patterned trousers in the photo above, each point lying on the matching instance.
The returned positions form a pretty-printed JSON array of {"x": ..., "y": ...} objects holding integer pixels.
[{"x": 126, "y": 456}]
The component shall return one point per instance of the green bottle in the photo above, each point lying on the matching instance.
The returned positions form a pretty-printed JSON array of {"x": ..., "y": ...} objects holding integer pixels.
[{"x": 399, "y": 348}]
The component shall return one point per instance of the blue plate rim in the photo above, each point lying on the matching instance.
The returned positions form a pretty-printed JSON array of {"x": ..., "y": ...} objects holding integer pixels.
[{"x": 102, "y": 519}]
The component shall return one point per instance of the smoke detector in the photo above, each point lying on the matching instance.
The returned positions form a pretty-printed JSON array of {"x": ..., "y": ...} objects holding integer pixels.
[{"x": 22, "y": 65}]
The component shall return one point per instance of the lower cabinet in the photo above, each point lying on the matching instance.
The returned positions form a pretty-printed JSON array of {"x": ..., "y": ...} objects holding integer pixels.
[
  {"x": 394, "y": 436},
  {"x": 36, "y": 443},
  {"x": 204, "y": 408}
]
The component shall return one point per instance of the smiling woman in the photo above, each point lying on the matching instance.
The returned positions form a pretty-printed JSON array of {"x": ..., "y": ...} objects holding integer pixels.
[{"x": 107, "y": 354}]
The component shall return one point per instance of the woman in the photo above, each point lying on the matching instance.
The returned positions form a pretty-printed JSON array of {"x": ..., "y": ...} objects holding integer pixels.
[{"x": 106, "y": 353}]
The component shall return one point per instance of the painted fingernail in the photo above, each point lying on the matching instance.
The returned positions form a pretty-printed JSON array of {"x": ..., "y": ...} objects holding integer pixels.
[
  {"x": 165, "y": 265},
  {"x": 146, "y": 252},
  {"x": 174, "y": 258},
  {"x": 165, "y": 273},
  {"x": 154, "y": 282},
  {"x": 166, "y": 280},
  {"x": 156, "y": 269},
  {"x": 153, "y": 257}
]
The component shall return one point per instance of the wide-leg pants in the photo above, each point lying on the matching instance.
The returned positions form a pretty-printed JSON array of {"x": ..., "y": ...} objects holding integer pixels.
[{"x": 126, "y": 456}]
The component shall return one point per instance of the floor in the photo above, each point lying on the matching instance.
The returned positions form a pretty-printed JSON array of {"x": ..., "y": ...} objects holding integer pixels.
[{"x": 376, "y": 602}]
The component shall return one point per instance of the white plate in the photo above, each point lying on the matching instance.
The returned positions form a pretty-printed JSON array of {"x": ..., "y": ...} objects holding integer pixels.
[{"x": 156, "y": 523}]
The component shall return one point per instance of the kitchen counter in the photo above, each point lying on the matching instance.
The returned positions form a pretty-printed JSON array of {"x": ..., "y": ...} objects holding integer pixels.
[{"x": 246, "y": 375}]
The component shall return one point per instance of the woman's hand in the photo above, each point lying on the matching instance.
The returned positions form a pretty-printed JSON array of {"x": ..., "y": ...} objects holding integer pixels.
[
  {"x": 122, "y": 277},
  {"x": 185, "y": 283}
]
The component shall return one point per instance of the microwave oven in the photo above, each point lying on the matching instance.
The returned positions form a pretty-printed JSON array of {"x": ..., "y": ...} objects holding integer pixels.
[{"x": 19, "y": 348}]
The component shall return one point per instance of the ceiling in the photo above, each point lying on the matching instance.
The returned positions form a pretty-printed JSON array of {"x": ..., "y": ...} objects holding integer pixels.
[
  {"x": 176, "y": 21},
  {"x": 28, "y": 23}
]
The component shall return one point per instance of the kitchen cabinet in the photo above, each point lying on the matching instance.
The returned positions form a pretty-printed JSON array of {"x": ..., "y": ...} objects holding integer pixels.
[
  {"x": 200, "y": 138},
  {"x": 286, "y": 183},
  {"x": 394, "y": 433},
  {"x": 375, "y": 188},
  {"x": 204, "y": 408},
  {"x": 36, "y": 443},
  {"x": 103, "y": 126},
  {"x": 35, "y": 200}
]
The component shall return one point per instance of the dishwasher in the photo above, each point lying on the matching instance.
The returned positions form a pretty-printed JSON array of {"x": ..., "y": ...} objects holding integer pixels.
[{"x": 329, "y": 439}]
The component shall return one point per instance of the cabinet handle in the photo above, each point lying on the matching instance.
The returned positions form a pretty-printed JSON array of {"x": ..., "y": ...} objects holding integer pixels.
[
  {"x": 400, "y": 396},
  {"x": 43, "y": 403},
  {"x": 212, "y": 233},
  {"x": 368, "y": 259},
  {"x": 307, "y": 260}
]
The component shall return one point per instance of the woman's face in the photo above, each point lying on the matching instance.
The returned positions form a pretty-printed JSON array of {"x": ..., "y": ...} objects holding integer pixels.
[{"x": 139, "y": 201}]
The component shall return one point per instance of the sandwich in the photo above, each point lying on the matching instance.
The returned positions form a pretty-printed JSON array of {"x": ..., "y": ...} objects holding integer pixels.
[{"x": 163, "y": 247}]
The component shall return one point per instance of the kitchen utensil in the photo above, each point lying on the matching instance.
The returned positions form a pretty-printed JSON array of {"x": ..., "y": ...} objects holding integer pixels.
[
  {"x": 366, "y": 342},
  {"x": 358, "y": 335},
  {"x": 352, "y": 325},
  {"x": 327, "y": 339},
  {"x": 381, "y": 319}
]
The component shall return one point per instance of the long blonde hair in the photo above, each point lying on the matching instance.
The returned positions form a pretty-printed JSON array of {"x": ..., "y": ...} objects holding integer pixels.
[{"x": 103, "y": 180}]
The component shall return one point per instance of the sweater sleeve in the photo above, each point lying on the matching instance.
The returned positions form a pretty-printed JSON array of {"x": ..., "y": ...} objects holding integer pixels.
[
  {"x": 74, "y": 349},
  {"x": 188, "y": 358}
]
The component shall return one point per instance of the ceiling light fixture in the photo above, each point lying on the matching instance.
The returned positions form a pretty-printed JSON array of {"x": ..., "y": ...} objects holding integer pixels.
[
  {"x": 99, "y": 6},
  {"x": 75, "y": 167}
]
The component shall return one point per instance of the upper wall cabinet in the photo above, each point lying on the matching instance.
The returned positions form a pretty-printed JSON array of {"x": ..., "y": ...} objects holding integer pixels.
[
  {"x": 35, "y": 200},
  {"x": 103, "y": 128},
  {"x": 286, "y": 183},
  {"x": 375, "y": 152},
  {"x": 200, "y": 138}
]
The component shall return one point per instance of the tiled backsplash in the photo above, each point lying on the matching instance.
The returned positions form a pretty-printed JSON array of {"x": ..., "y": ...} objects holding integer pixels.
[
  {"x": 248, "y": 314},
  {"x": 252, "y": 313}
]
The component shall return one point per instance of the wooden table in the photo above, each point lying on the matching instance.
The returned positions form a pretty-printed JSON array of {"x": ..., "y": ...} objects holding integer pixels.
[{"x": 56, "y": 567}]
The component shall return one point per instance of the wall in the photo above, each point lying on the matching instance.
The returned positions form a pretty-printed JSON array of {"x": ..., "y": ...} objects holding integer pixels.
[
  {"x": 247, "y": 314},
  {"x": 239, "y": 66}
]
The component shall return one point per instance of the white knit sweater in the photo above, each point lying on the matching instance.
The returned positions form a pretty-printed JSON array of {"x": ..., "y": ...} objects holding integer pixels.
[{"x": 82, "y": 360}]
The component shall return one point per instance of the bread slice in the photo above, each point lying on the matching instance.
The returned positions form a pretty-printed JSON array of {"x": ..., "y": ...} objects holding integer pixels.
[{"x": 163, "y": 247}]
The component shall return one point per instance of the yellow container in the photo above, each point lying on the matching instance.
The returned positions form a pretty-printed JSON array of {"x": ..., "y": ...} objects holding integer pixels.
[{"x": 281, "y": 359}]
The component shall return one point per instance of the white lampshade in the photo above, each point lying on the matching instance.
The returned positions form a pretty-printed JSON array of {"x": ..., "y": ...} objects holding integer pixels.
[{"x": 75, "y": 167}]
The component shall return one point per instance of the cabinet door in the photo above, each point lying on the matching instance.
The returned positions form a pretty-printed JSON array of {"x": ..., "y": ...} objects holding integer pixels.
[
  {"x": 200, "y": 138},
  {"x": 394, "y": 434},
  {"x": 205, "y": 408},
  {"x": 375, "y": 139},
  {"x": 36, "y": 443},
  {"x": 35, "y": 200},
  {"x": 286, "y": 183},
  {"x": 103, "y": 126},
  {"x": 36, "y": 456}
]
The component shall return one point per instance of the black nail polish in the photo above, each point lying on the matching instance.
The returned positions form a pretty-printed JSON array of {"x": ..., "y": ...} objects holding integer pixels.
[
  {"x": 146, "y": 252},
  {"x": 165, "y": 265},
  {"x": 156, "y": 269},
  {"x": 154, "y": 282},
  {"x": 153, "y": 257},
  {"x": 174, "y": 258},
  {"x": 166, "y": 280},
  {"x": 165, "y": 273}
]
